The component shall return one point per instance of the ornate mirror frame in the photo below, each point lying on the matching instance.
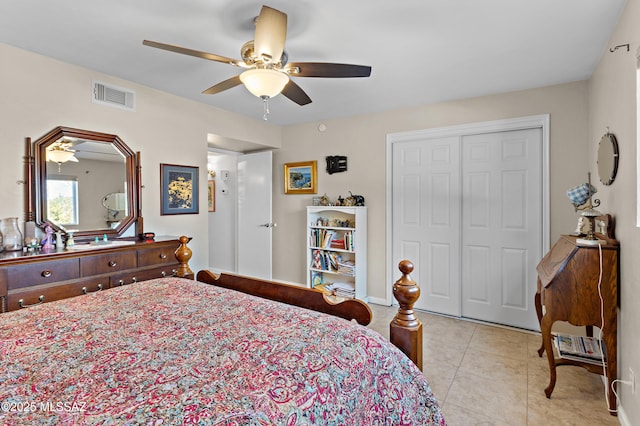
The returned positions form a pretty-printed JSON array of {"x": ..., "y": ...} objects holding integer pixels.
[{"x": 36, "y": 181}]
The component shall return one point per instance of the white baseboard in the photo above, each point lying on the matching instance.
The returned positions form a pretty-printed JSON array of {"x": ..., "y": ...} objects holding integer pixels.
[
  {"x": 622, "y": 417},
  {"x": 378, "y": 301}
]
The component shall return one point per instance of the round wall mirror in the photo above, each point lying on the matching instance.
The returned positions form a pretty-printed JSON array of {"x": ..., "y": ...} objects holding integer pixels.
[{"x": 608, "y": 159}]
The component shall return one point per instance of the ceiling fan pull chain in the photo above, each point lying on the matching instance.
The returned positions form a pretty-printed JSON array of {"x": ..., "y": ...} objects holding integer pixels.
[{"x": 265, "y": 100}]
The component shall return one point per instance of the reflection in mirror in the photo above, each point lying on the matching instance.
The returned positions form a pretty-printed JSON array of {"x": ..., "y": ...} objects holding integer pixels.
[
  {"x": 74, "y": 170},
  {"x": 116, "y": 205},
  {"x": 608, "y": 158}
]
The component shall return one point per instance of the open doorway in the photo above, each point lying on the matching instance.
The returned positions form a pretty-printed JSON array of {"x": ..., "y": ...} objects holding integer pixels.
[{"x": 240, "y": 228}]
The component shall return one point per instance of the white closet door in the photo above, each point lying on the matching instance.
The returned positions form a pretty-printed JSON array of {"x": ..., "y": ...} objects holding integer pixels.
[
  {"x": 467, "y": 210},
  {"x": 501, "y": 225},
  {"x": 426, "y": 218}
]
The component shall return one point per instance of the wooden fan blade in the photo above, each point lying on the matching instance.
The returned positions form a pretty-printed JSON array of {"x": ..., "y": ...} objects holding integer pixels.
[
  {"x": 295, "y": 93},
  {"x": 271, "y": 32},
  {"x": 327, "y": 69},
  {"x": 223, "y": 85},
  {"x": 191, "y": 52}
]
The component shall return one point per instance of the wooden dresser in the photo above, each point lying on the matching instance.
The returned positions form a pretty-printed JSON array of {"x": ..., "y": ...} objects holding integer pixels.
[
  {"x": 569, "y": 290},
  {"x": 32, "y": 278}
]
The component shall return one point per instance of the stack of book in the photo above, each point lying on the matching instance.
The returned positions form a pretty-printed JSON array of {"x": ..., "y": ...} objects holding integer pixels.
[
  {"x": 337, "y": 244},
  {"x": 346, "y": 267},
  {"x": 341, "y": 289},
  {"x": 578, "y": 348}
]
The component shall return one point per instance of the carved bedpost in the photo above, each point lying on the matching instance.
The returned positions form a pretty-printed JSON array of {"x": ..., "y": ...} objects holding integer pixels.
[
  {"x": 405, "y": 328},
  {"x": 183, "y": 254}
]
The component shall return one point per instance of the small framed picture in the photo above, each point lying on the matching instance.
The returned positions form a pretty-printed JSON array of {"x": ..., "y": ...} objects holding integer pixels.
[
  {"x": 179, "y": 189},
  {"x": 301, "y": 178},
  {"x": 211, "y": 195}
]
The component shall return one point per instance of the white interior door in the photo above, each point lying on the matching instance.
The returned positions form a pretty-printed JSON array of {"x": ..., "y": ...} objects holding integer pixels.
[
  {"x": 501, "y": 225},
  {"x": 426, "y": 213},
  {"x": 468, "y": 211},
  {"x": 254, "y": 249}
]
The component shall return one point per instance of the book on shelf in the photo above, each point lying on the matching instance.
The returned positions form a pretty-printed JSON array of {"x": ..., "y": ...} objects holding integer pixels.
[
  {"x": 346, "y": 267},
  {"x": 579, "y": 348},
  {"x": 337, "y": 244},
  {"x": 328, "y": 236},
  {"x": 325, "y": 260},
  {"x": 348, "y": 241},
  {"x": 342, "y": 289}
]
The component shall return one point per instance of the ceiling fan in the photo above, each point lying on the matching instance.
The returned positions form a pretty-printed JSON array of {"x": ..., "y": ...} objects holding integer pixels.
[
  {"x": 61, "y": 152},
  {"x": 267, "y": 70}
]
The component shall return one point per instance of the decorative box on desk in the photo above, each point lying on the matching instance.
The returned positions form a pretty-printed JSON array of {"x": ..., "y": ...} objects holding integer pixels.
[{"x": 569, "y": 289}]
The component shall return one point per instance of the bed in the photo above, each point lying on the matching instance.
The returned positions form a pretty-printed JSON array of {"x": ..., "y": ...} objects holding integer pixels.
[{"x": 178, "y": 351}]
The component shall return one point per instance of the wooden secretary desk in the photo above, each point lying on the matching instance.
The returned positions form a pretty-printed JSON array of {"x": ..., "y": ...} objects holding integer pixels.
[{"x": 568, "y": 278}]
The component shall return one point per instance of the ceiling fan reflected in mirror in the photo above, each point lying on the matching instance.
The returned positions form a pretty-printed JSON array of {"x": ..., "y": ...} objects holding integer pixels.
[{"x": 267, "y": 71}]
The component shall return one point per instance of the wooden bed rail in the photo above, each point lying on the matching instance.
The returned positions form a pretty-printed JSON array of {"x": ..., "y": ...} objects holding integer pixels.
[{"x": 303, "y": 297}]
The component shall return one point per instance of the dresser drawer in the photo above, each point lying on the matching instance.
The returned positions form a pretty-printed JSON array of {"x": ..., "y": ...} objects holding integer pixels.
[
  {"x": 30, "y": 274},
  {"x": 35, "y": 295},
  {"x": 156, "y": 256},
  {"x": 142, "y": 275},
  {"x": 107, "y": 263}
]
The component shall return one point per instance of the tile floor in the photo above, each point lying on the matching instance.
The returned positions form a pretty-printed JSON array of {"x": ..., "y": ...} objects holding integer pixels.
[{"x": 487, "y": 375}]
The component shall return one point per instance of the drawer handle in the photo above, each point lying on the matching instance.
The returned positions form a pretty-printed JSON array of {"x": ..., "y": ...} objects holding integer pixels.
[
  {"x": 113, "y": 263},
  {"x": 163, "y": 273},
  {"x": 163, "y": 256},
  {"x": 46, "y": 273},
  {"x": 85, "y": 291},
  {"x": 133, "y": 280},
  {"x": 121, "y": 283},
  {"x": 174, "y": 272},
  {"x": 40, "y": 301}
]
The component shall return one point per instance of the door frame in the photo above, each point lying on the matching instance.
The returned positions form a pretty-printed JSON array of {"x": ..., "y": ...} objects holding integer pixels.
[{"x": 535, "y": 121}]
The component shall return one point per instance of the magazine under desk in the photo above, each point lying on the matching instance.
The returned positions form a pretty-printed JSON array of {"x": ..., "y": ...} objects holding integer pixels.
[{"x": 568, "y": 290}]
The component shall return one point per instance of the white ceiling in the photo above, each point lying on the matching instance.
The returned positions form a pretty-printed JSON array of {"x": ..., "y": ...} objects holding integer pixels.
[{"x": 420, "y": 51}]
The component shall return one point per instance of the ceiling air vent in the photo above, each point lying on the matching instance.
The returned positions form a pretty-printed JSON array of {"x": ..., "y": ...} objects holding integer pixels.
[{"x": 113, "y": 96}]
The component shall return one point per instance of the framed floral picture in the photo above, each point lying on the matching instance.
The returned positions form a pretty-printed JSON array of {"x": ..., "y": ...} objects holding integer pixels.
[
  {"x": 301, "y": 178},
  {"x": 179, "y": 189}
]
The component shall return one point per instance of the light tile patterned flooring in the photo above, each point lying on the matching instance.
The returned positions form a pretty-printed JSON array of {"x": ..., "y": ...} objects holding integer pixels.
[{"x": 487, "y": 375}]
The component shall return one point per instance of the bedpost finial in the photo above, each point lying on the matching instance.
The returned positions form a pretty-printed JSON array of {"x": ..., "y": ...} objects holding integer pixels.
[
  {"x": 406, "y": 291},
  {"x": 406, "y": 267},
  {"x": 183, "y": 254},
  {"x": 405, "y": 330}
]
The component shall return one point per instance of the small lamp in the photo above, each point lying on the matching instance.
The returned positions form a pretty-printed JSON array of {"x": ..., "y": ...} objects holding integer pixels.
[{"x": 581, "y": 198}]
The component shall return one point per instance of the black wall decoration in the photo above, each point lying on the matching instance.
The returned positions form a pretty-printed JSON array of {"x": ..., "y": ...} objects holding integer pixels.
[{"x": 336, "y": 164}]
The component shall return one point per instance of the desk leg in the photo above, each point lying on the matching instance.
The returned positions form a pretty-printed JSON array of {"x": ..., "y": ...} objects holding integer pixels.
[
  {"x": 545, "y": 327},
  {"x": 538, "y": 304}
]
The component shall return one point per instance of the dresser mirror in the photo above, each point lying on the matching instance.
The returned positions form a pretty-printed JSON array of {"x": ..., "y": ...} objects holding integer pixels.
[
  {"x": 84, "y": 182},
  {"x": 608, "y": 157}
]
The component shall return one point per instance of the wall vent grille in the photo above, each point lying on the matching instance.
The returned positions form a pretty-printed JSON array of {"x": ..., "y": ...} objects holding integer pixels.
[{"x": 113, "y": 96}]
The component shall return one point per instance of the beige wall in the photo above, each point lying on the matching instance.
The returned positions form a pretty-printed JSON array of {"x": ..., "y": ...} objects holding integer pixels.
[
  {"x": 363, "y": 140},
  {"x": 39, "y": 93},
  {"x": 612, "y": 104}
]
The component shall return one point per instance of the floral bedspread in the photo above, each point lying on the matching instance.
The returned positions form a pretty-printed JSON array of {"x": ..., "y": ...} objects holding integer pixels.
[{"x": 175, "y": 351}]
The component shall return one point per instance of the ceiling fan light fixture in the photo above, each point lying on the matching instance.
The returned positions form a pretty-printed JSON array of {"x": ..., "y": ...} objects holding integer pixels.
[
  {"x": 58, "y": 155},
  {"x": 264, "y": 82}
]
